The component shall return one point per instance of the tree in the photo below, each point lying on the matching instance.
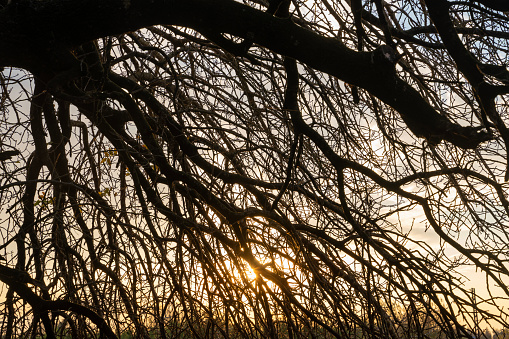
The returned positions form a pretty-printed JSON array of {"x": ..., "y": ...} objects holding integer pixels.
[{"x": 254, "y": 168}]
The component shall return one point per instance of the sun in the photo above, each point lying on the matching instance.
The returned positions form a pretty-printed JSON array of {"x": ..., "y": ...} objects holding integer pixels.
[{"x": 250, "y": 273}]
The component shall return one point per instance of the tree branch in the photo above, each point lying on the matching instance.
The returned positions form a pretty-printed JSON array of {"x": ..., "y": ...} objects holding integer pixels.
[
  {"x": 17, "y": 281},
  {"x": 37, "y": 35}
]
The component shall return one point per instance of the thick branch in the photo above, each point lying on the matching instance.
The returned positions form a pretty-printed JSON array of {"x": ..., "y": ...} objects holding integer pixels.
[{"x": 35, "y": 37}]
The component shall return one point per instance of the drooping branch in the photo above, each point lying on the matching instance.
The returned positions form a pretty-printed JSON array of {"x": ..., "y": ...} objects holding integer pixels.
[{"x": 17, "y": 280}]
